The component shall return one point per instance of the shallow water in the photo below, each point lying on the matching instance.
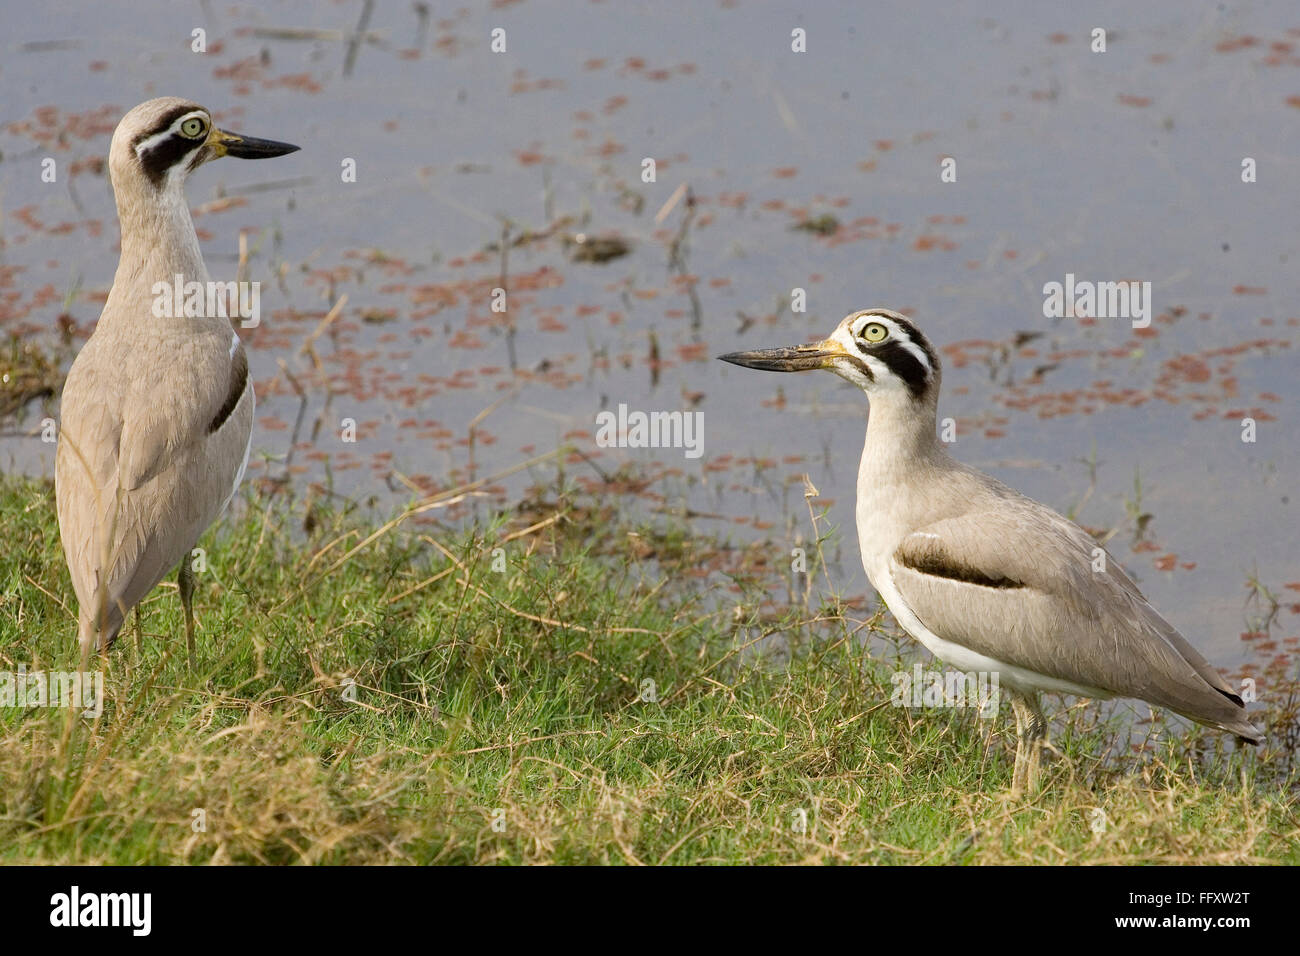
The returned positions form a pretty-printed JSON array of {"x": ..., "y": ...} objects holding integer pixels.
[{"x": 1122, "y": 165}]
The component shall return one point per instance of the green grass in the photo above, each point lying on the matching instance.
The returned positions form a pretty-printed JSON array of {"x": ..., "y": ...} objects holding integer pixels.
[{"x": 515, "y": 698}]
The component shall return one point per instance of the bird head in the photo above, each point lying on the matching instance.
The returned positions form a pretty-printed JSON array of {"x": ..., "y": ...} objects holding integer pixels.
[
  {"x": 160, "y": 142},
  {"x": 878, "y": 350}
]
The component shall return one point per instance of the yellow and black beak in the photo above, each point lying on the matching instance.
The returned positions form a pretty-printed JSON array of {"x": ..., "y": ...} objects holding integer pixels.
[
  {"x": 223, "y": 143},
  {"x": 799, "y": 358}
]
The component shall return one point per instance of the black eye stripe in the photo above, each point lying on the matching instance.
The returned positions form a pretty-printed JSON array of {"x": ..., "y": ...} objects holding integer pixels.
[
  {"x": 904, "y": 364},
  {"x": 161, "y": 157}
]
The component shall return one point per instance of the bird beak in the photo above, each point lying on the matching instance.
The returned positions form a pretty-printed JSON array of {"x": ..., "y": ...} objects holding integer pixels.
[
  {"x": 223, "y": 143},
  {"x": 799, "y": 358}
]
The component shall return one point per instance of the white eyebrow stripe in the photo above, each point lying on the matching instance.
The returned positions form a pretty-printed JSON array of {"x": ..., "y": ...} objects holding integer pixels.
[
  {"x": 145, "y": 145},
  {"x": 917, "y": 352}
]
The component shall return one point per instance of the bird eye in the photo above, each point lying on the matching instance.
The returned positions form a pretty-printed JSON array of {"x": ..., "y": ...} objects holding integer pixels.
[
  {"x": 875, "y": 332},
  {"x": 193, "y": 127}
]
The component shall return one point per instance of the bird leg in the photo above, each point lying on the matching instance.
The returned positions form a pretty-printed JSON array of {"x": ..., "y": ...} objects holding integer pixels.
[
  {"x": 1031, "y": 736},
  {"x": 1017, "y": 782},
  {"x": 185, "y": 584}
]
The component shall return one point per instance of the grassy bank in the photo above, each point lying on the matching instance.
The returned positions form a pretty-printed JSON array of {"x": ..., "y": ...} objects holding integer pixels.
[{"x": 376, "y": 693}]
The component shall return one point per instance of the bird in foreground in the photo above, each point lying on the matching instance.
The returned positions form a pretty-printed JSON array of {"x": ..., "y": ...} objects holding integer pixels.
[
  {"x": 157, "y": 409},
  {"x": 987, "y": 579}
]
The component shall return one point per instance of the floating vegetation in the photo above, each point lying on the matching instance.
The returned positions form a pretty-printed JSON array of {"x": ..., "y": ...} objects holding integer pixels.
[
  {"x": 598, "y": 249},
  {"x": 823, "y": 225}
]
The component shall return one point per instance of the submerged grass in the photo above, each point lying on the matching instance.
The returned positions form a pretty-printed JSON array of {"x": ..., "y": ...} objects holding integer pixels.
[{"x": 582, "y": 695}]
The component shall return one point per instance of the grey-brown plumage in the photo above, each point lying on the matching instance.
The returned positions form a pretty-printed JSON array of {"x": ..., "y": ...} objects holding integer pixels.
[
  {"x": 1007, "y": 571},
  {"x": 157, "y": 409},
  {"x": 988, "y": 579}
]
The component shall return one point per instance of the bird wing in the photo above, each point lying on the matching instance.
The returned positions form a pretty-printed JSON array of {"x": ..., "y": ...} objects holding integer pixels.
[
  {"x": 153, "y": 431},
  {"x": 1026, "y": 587}
]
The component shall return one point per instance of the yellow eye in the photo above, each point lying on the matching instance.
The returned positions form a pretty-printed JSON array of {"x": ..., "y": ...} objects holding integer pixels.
[
  {"x": 193, "y": 127},
  {"x": 875, "y": 332}
]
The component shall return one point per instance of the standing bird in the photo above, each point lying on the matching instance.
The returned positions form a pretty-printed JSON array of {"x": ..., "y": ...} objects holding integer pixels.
[
  {"x": 157, "y": 410},
  {"x": 987, "y": 579}
]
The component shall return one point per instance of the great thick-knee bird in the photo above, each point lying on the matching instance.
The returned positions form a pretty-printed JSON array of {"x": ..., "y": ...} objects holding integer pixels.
[
  {"x": 157, "y": 409},
  {"x": 987, "y": 579}
]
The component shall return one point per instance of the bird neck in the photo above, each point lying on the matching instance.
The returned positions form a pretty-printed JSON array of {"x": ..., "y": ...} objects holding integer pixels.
[
  {"x": 158, "y": 244},
  {"x": 900, "y": 433}
]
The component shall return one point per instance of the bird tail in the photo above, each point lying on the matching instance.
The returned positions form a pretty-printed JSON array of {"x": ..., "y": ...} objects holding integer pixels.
[
  {"x": 1247, "y": 733},
  {"x": 1232, "y": 723},
  {"x": 92, "y": 637}
]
